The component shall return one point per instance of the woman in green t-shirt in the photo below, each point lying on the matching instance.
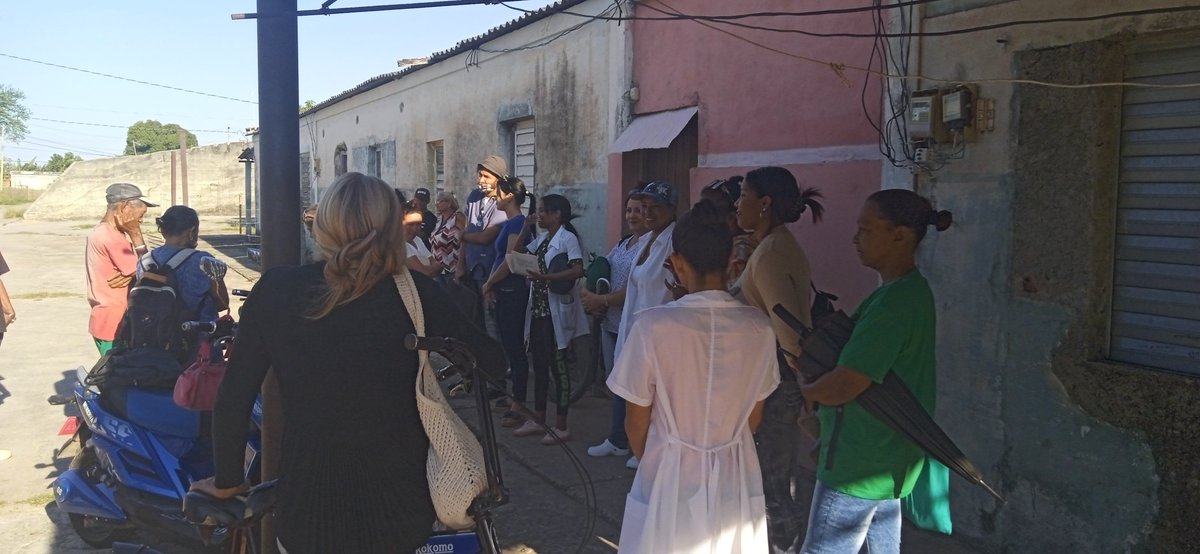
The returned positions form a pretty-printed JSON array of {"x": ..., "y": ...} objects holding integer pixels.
[{"x": 860, "y": 480}]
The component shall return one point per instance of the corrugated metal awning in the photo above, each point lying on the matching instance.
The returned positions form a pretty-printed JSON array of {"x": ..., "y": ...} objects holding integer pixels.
[{"x": 656, "y": 130}]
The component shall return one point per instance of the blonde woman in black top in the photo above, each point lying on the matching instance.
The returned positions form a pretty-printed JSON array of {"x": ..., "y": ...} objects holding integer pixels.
[{"x": 352, "y": 472}]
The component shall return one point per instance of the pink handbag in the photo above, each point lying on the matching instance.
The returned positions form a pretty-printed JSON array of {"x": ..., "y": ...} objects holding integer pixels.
[{"x": 197, "y": 386}]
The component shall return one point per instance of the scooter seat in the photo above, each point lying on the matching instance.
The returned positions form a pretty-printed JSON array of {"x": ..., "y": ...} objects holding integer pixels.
[{"x": 152, "y": 409}]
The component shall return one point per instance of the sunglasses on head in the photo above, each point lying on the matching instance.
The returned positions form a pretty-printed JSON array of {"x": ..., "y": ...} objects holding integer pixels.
[{"x": 730, "y": 189}]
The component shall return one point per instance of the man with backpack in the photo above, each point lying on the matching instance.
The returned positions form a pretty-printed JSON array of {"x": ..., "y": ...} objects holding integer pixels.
[
  {"x": 175, "y": 283},
  {"x": 112, "y": 251}
]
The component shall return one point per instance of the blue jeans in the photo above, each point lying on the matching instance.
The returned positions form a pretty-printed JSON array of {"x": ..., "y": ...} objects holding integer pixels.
[
  {"x": 616, "y": 435},
  {"x": 839, "y": 523}
]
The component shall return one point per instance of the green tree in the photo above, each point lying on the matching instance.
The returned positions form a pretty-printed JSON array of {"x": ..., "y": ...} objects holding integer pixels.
[
  {"x": 149, "y": 136},
  {"x": 31, "y": 165},
  {"x": 59, "y": 163},
  {"x": 12, "y": 114},
  {"x": 307, "y": 105}
]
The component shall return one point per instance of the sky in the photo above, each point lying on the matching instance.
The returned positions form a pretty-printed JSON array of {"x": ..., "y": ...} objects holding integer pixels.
[{"x": 195, "y": 45}]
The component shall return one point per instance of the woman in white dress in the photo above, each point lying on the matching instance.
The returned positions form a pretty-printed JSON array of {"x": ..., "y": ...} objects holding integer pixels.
[{"x": 695, "y": 373}]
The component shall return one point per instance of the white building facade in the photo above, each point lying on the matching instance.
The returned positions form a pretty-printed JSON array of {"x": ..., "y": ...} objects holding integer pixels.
[{"x": 545, "y": 91}]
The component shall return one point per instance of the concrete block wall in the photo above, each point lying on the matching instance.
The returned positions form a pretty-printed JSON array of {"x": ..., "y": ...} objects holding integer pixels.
[
  {"x": 1093, "y": 455},
  {"x": 216, "y": 182}
]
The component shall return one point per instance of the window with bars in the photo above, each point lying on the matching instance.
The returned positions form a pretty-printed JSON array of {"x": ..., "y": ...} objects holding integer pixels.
[
  {"x": 340, "y": 160},
  {"x": 437, "y": 165},
  {"x": 523, "y": 141},
  {"x": 374, "y": 161}
]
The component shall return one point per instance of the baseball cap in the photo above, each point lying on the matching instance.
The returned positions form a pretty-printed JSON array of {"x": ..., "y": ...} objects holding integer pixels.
[
  {"x": 495, "y": 165},
  {"x": 658, "y": 191},
  {"x": 422, "y": 193},
  {"x": 119, "y": 192}
]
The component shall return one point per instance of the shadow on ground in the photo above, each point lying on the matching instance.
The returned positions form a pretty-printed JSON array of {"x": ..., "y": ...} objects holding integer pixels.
[{"x": 234, "y": 246}]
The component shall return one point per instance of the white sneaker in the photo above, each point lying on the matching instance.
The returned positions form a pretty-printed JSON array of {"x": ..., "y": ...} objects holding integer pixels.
[
  {"x": 632, "y": 462},
  {"x": 606, "y": 449}
]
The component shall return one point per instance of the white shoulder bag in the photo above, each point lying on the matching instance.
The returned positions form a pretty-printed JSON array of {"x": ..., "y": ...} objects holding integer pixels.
[{"x": 456, "y": 467}]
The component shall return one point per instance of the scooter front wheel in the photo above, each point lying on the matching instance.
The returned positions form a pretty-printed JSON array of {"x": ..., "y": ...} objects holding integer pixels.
[{"x": 95, "y": 531}]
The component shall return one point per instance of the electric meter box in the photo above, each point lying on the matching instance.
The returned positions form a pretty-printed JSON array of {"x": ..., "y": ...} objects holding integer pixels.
[
  {"x": 956, "y": 108},
  {"x": 924, "y": 114}
]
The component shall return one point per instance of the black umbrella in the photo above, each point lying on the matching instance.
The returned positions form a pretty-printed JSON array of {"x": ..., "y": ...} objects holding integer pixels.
[{"x": 890, "y": 401}]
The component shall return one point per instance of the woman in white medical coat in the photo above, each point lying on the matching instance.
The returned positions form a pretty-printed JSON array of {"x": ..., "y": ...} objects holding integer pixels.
[
  {"x": 695, "y": 373},
  {"x": 553, "y": 317}
]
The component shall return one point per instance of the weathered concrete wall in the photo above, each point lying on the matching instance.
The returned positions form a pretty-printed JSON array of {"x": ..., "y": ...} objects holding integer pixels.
[
  {"x": 758, "y": 107},
  {"x": 216, "y": 182},
  {"x": 1093, "y": 456},
  {"x": 471, "y": 101},
  {"x": 32, "y": 180}
]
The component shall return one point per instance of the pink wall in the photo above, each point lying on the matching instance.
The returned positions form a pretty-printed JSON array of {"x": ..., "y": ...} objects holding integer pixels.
[
  {"x": 751, "y": 98},
  {"x": 758, "y": 107}
]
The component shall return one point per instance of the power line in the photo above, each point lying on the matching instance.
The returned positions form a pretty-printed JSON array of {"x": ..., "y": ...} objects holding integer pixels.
[
  {"x": 226, "y": 131},
  {"x": 138, "y": 81},
  {"x": 42, "y": 150},
  {"x": 39, "y": 141},
  {"x": 325, "y": 10},
  {"x": 729, "y": 17},
  {"x": 75, "y": 133},
  {"x": 839, "y": 68},
  {"x": 546, "y": 40},
  {"x": 949, "y": 32},
  {"x": 143, "y": 114},
  {"x": 62, "y": 146}
]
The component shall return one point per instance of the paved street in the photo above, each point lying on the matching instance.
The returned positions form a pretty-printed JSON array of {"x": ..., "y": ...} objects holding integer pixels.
[{"x": 547, "y": 513}]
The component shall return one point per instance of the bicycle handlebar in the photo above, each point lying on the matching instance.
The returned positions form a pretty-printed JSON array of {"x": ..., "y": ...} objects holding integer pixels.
[
  {"x": 201, "y": 326},
  {"x": 244, "y": 508}
]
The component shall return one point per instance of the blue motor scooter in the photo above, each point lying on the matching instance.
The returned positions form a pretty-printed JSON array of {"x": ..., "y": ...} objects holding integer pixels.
[{"x": 139, "y": 453}]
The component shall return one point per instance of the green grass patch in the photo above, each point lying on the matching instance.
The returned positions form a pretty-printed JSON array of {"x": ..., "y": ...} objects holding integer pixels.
[
  {"x": 42, "y": 295},
  {"x": 39, "y": 499},
  {"x": 15, "y": 213},
  {"x": 12, "y": 196}
]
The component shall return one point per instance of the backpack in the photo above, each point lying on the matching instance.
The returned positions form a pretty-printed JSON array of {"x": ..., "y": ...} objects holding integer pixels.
[
  {"x": 138, "y": 368},
  {"x": 598, "y": 268},
  {"x": 156, "y": 310}
]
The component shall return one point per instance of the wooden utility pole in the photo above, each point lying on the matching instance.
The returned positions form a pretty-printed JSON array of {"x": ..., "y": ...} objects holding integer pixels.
[
  {"x": 174, "y": 163},
  {"x": 183, "y": 148}
]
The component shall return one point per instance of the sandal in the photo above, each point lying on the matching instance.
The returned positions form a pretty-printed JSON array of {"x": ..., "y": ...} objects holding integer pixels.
[{"x": 511, "y": 419}]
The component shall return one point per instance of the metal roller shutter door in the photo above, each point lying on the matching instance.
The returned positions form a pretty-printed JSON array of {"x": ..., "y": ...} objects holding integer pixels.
[{"x": 1156, "y": 293}]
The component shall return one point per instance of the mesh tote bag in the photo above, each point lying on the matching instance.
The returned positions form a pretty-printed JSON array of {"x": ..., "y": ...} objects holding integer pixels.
[{"x": 455, "y": 468}]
